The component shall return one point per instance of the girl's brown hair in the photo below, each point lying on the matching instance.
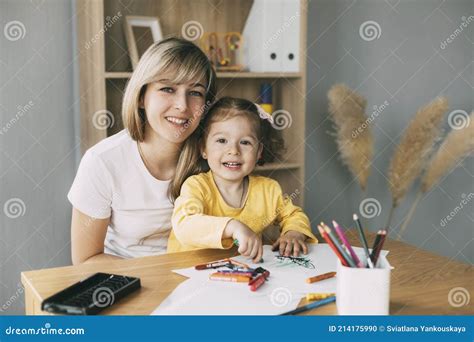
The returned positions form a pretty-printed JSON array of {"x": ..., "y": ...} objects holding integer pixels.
[
  {"x": 224, "y": 109},
  {"x": 177, "y": 56}
]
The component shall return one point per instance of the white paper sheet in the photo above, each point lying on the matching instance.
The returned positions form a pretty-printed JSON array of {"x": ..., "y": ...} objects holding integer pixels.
[
  {"x": 282, "y": 292},
  {"x": 291, "y": 277},
  {"x": 195, "y": 297}
]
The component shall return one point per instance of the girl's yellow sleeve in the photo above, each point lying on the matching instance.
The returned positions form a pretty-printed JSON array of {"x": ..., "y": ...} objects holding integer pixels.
[
  {"x": 191, "y": 226},
  {"x": 291, "y": 217}
]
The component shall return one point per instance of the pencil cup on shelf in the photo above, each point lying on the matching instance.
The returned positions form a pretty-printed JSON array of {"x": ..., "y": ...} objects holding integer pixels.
[{"x": 363, "y": 291}]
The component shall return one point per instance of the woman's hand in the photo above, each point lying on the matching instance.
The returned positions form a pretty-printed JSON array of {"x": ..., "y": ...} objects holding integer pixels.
[
  {"x": 292, "y": 242},
  {"x": 250, "y": 244}
]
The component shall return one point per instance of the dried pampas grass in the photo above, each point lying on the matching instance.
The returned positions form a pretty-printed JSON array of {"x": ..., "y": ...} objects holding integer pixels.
[
  {"x": 458, "y": 144},
  {"x": 353, "y": 134},
  {"x": 415, "y": 148}
]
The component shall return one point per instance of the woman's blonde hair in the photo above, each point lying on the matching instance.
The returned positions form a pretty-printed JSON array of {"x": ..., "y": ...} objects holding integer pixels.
[
  {"x": 177, "y": 56},
  {"x": 191, "y": 162}
]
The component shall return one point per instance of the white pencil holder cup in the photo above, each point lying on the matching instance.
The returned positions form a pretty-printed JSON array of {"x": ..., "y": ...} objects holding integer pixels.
[{"x": 363, "y": 291}]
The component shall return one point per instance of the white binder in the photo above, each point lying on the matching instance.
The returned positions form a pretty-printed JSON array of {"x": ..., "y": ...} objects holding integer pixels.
[
  {"x": 272, "y": 35},
  {"x": 291, "y": 36}
]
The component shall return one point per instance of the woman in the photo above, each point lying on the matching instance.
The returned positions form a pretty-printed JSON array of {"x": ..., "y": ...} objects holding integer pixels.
[{"x": 120, "y": 196}]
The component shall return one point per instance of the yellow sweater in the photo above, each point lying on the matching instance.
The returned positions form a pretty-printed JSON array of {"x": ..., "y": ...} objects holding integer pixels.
[{"x": 201, "y": 214}]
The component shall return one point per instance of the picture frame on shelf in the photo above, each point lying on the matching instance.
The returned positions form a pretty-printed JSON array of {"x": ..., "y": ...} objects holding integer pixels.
[{"x": 140, "y": 33}]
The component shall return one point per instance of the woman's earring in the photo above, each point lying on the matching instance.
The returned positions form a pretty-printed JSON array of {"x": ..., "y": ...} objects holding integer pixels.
[{"x": 204, "y": 156}]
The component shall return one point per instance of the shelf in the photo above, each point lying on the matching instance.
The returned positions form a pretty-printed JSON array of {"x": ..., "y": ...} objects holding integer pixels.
[
  {"x": 247, "y": 74},
  {"x": 118, "y": 74},
  {"x": 244, "y": 74},
  {"x": 278, "y": 166}
]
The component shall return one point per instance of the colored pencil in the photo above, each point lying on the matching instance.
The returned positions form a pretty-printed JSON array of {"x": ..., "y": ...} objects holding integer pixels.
[
  {"x": 320, "y": 277},
  {"x": 341, "y": 250},
  {"x": 310, "y": 306},
  {"x": 344, "y": 240},
  {"x": 363, "y": 240},
  {"x": 329, "y": 242},
  {"x": 379, "y": 247},
  {"x": 374, "y": 246}
]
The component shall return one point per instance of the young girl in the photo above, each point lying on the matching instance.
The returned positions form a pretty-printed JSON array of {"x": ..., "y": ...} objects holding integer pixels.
[
  {"x": 121, "y": 207},
  {"x": 227, "y": 203}
]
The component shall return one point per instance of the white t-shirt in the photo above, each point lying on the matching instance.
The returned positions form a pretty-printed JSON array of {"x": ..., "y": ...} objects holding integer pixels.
[{"x": 112, "y": 181}]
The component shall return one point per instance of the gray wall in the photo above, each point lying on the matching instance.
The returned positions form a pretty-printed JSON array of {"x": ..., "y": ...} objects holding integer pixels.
[
  {"x": 407, "y": 67},
  {"x": 37, "y": 141}
]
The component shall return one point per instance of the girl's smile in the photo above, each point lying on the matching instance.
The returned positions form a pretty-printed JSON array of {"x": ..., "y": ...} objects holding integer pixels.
[{"x": 232, "y": 148}]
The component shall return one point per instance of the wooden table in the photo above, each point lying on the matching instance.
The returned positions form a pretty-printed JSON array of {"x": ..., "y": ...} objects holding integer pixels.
[{"x": 421, "y": 281}]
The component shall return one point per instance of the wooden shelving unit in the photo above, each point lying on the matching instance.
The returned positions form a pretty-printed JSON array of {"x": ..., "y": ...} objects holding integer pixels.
[{"x": 105, "y": 69}]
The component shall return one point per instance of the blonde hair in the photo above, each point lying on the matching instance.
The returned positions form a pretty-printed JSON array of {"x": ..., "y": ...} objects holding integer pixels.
[
  {"x": 175, "y": 55},
  {"x": 190, "y": 161}
]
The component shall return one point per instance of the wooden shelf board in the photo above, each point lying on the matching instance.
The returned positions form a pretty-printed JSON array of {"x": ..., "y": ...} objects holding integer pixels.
[{"x": 125, "y": 74}]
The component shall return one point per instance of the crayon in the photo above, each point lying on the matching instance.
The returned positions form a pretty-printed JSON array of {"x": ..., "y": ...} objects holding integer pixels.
[
  {"x": 229, "y": 277},
  {"x": 241, "y": 264},
  {"x": 264, "y": 275},
  {"x": 243, "y": 273},
  {"x": 257, "y": 282},
  {"x": 320, "y": 277},
  {"x": 310, "y": 297},
  {"x": 214, "y": 264}
]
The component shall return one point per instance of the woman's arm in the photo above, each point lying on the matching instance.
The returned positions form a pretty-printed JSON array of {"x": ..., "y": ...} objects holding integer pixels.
[{"x": 87, "y": 238}]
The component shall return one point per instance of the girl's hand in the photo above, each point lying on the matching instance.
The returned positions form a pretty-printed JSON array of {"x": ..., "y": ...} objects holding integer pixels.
[
  {"x": 250, "y": 244},
  {"x": 291, "y": 242}
]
